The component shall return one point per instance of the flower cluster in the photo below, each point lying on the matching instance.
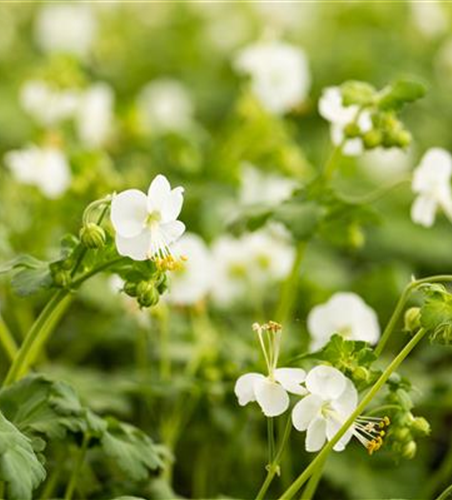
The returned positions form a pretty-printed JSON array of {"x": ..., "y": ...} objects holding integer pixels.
[{"x": 328, "y": 398}]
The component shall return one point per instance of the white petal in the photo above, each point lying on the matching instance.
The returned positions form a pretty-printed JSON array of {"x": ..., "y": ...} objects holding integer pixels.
[
  {"x": 158, "y": 192},
  {"x": 244, "y": 387},
  {"x": 316, "y": 435},
  {"x": 290, "y": 379},
  {"x": 305, "y": 411},
  {"x": 332, "y": 428},
  {"x": 272, "y": 397},
  {"x": 347, "y": 401},
  {"x": 423, "y": 210},
  {"x": 172, "y": 205},
  {"x": 129, "y": 212},
  {"x": 325, "y": 381},
  {"x": 172, "y": 231},
  {"x": 137, "y": 248}
]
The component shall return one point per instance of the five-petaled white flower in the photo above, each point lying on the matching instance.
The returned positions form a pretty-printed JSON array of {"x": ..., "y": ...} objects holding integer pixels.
[
  {"x": 279, "y": 72},
  {"x": 331, "y": 108},
  {"x": 347, "y": 314},
  {"x": 331, "y": 400},
  {"x": 431, "y": 183},
  {"x": 146, "y": 225}
]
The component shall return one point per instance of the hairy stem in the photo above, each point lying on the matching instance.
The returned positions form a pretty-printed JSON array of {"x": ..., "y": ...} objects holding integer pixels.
[{"x": 7, "y": 341}]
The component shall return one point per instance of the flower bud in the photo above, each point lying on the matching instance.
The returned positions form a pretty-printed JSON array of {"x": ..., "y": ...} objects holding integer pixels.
[
  {"x": 409, "y": 450},
  {"x": 412, "y": 319},
  {"x": 402, "y": 434},
  {"x": 352, "y": 130},
  {"x": 147, "y": 294},
  {"x": 130, "y": 289},
  {"x": 402, "y": 138},
  {"x": 92, "y": 236},
  {"x": 372, "y": 139},
  {"x": 163, "y": 284},
  {"x": 61, "y": 278},
  {"x": 361, "y": 374},
  {"x": 420, "y": 426}
]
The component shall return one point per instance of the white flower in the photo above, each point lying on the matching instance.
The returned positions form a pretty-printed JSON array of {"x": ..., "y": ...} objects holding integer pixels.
[
  {"x": 347, "y": 314},
  {"x": 270, "y": 392},
  {"x": 66, "y": 27},
  {"x": 386, "y": 164},
  {"x": 331, "y": 399},
  {"x": 146, "y": 225},
  {"x": 95, "y": 115},
  {"x": 192, "y": 281},
  {"x": 333, "y": 110},
  {"x": 279, "y": 73},
  {"x": 431, "y": 183},
  {"x": 48, "y": 106},
  {"x": 258, "y": 187},
  {"x": 165, "y": 105},
  {"x": 429, "y": 17},
  {"x": 46, "y": 167}
]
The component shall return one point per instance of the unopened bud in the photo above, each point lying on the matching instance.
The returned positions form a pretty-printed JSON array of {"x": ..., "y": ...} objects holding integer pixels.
[
  {"x": 372, "y": 139},
  {"x": 412, "y": 319},
  {"x": 92, "y": 236},
  {"x": 147, "y": 294},
  {"x": 352, "y": 130},
  {"x": 162, "y": 284},
  {"x": 402, "y": 434},
  {"x": 409, "y": 450},
  {"x": 361, "y": 374},
  {"x": 130, "y": 289},
  {"x": 61, "y": 278},
  {"x": 402, "y": 138},
  {"x": 420, "y": 426}
]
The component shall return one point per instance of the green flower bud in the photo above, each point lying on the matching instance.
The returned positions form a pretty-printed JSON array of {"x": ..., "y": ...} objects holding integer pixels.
[
  {"x": 372, "y": 139},
  {"x": 92, "y": 236},
  {"x": 356, "y": 236},
  {"x": 442, "y": 335},
  {"x": 402, "y": 434},
  {"x": 361, "y": 374},
  {"x": 402, "y": 138},
  {"x": 130, "y": 289},
  {"x": 163, "y": 284},
  {"x": 355, "y": 92},
  {"x": 352, "y": 130},
  {"x": 409, "y": 450},
  {"x": 147, "y": 294},
  {"x": 412, "y": 319},
  {"x": 420, "y": 426}
]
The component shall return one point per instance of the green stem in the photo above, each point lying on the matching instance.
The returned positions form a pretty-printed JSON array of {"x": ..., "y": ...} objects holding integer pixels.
[
  {"x": 271, "y": 439},
  {"x": 273, "y": 467},
  {"x": 306, "y": 474},
  {"x": 288, "y": 295},
  {"x": 313, "y": 482},
  {"x": 445, "y": 494},
  {"x": 2, "y": 490},
  {"x": 375, "y": 195},
  {"x": 95, "y": 270},
  {"x": 77, "y": 468},
  {"x": 332, "y": 162},
  {"x": 22, "y": 360},
  {"x": 7, "y": 340}
]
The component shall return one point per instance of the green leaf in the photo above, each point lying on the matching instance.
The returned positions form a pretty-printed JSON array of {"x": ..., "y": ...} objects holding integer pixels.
[
  {"x": 131, "y": 449},
  {"x": 399, "y": 93},
  {"x": 20, "y": 468},
  {"x": 31, "y": 274},
  {"x": 38, "y": 405}
]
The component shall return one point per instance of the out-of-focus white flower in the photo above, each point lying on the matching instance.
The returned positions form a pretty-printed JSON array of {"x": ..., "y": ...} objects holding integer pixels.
[
  {"x": 431, "y": 184},
  {"x": 295, "y": 17},
  {"x": 165, "y": 105},
  {"x": 191, "y": 283},
  {"x": 95, "y": 115},
  {"x": 250, "y": 262},
  {"x": 46, "y": 167},
  {"x": 270, "y": 391},
  {"x": 333, "y": 110},
  {"x": 146, "y": 225},
  {"x": 386, "y": 164},
  {"x": 48, "y": 106},
  {"x": 347, "y": 314},
  {"x": 429, "y": 17},
  {"x": 331, "y": 399},
  {"x": 66, "y": 27},
  {"x": 279, "y": 72},
  {"x": 258, "y": 187}
]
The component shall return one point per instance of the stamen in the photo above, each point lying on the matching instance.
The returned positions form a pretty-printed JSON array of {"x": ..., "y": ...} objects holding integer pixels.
[{"x": 370, "y": 432}]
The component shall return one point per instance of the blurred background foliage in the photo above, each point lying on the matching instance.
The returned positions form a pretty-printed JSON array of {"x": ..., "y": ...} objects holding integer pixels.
[{"x": 171, "y": 371}]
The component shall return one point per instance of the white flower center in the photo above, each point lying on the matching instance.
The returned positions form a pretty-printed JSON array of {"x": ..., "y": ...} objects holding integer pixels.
[{"x": 153, "y": 219}]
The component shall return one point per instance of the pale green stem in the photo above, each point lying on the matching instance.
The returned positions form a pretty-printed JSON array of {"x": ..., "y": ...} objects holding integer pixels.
[
  {"x": 77, "y": 468},
  {"x": 288, "y": 293},
  {"x": 445, "y": 494},
  {"x": 306, "y": 474},
  {"x": 271, "y": 439},
  {"x": 313, "y": 482},
  {"x": 7, "y": 340},
  {"x": 375, "y": 195},
  {"x": 273, "y": 467}
]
